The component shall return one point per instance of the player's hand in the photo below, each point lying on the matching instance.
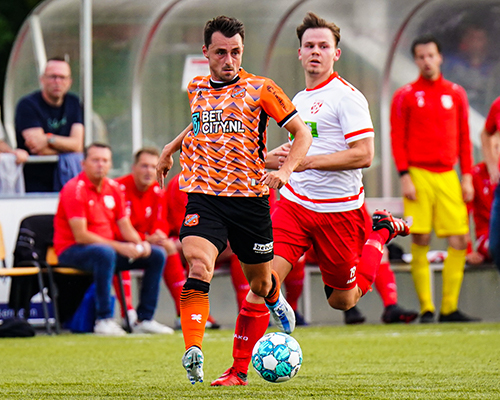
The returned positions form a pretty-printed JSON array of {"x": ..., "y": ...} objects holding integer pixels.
[
  {"x": 158, "y": 238},
  {"x": 275, "y": 179},
  {"x": 146, "y": 252},
  {"x": 408, "y": 188},
  {"x": 165, "y": 163},
  {"x": 467, "y": 188},
  {"x": 494, "y": 174}
]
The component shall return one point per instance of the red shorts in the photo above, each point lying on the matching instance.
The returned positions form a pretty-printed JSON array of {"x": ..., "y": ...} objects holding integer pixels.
[{"x": 337, "y": 239}]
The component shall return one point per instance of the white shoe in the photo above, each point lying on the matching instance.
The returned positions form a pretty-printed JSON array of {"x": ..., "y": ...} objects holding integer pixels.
[
  {"x": 108, "y": 327},
  {"x": 151, "y": 326},
  {"x": 192, "y": 361},
  {"x": 282, "y": 314},
  {"x": 132, "y": 318}
]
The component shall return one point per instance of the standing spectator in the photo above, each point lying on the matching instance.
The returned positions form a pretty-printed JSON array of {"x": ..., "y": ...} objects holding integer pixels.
[
  {"x": 430, "y": 132},
  {"x": 488, "y": 136},
  {"x": 50, "y": 122},
  {"x": 91, "y": 209},
  {"x": 145, "y": 205},
  {"x": 223, "y": 170}
]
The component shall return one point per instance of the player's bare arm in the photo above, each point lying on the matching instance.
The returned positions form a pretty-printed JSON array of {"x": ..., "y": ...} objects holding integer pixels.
[
  {"x": 298, "y": 150},
  {"x": 490, "y": 155},
  {"x": 166, "y": 160}
]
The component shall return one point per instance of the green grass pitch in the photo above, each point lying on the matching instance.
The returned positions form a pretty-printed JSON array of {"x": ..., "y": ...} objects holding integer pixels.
[{"x": 438, "y": 361}]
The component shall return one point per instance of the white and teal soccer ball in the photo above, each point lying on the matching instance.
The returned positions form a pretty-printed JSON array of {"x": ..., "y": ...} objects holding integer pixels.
[{"x": 277, "y": 357}]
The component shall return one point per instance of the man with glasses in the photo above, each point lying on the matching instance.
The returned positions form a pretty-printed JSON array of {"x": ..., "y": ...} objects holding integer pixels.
[{"x": 50, "y": 122}]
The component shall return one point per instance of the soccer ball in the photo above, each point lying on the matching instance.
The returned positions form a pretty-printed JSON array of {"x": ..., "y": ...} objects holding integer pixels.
[{"x": 277, "y": 357}]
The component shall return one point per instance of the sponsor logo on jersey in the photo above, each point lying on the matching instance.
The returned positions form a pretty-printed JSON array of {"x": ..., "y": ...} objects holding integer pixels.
[
  {"x": 263, "y": 248},
  {"x": 270, "y": 89},
  {"x": 238, "y": 93},
  {"x": 191, "y": 220},
  {"x": 109, "y": 202},
  {"x": 447, "y": 101},
  {"x": 313, "y": 126},
  {"x": 196, "y": 123},
  {"x": 420, "y": 98},
  {"x": 149, "y": 212},
  {"x": 316, "y": 106},
  {"x": 211, "y": 122}
]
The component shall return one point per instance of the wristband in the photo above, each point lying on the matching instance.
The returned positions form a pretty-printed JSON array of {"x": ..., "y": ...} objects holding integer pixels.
[
  {"x": 403, "y": 173},
  {"x": 50, "y": 138}
]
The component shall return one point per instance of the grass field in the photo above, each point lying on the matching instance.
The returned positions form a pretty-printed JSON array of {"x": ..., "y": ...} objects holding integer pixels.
[{"x": 439, "y": 361}]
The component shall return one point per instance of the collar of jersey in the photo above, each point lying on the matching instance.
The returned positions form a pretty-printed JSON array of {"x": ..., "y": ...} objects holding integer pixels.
[
  {"x": 323, "y": 84},
  {"x": 218, "y": 85}
]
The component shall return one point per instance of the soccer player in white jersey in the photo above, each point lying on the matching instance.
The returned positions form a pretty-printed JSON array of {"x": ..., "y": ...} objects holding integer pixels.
[{"x": 322, "y": 203}]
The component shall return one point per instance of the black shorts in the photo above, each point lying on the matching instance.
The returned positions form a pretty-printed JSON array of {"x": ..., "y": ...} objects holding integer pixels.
[{"x": 244, "y": 221}]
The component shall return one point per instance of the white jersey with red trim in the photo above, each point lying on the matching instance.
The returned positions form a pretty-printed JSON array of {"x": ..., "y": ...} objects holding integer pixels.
[{"x": 337, "y": 114}]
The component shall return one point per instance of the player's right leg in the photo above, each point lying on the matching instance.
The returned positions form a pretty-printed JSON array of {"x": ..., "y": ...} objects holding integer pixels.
[{"x": 194, "y": 305}]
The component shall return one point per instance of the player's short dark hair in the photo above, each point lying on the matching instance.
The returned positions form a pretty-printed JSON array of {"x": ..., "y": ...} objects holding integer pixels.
[
  {"x": 425, "y": 39},
  {"x": 312, "y": 21},
  {"x": 97, "y": 145},
  {"x": 146, "y": 150},
  {"x": 228, "y": 26}
]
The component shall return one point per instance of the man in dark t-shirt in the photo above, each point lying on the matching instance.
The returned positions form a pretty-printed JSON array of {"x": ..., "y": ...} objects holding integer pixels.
[{"x": 49, "y": 122}]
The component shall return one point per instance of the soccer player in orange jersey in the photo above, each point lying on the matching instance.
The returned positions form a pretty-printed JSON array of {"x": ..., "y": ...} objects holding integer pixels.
[
  {"x": 322, "y": 203},
  {"x": 223, "y": 171}
]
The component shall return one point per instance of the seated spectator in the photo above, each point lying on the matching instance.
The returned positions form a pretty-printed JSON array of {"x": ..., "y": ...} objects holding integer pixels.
[
  {"x": 145, "y": 205},
  {"x": 91, "y": 209},
  {"x": 50, "y": 122}
]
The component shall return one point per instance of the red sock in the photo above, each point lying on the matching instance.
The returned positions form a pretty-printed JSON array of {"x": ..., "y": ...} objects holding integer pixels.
[
  {"x": 385, "y": 282},
  {"x": 370, "y": 259},
  {"x": 251, "y": 325},
  {"x": 240, "y": 283},
  {"x": 294, "y": 283},
  {"x": 127, "y": 289},
  {"x": 174, "y": 278}
]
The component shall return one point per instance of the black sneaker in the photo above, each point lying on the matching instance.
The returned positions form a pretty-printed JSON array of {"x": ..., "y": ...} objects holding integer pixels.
[
  {"x": 353, "y": 316},
  {"x": 394, "y": 314},
  {"x": 299, "y": 319},
  {"x": 457, "y": 316},
  {"x": 427, "y": 317}
]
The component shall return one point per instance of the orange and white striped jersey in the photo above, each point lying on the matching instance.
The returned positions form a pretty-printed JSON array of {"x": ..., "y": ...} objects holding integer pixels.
[{"x": 224, "y": 154}]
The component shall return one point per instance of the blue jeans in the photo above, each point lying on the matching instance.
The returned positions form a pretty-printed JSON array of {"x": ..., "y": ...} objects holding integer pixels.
[
  {"x": 102, "y": 261},
  {"x": 495, "y": 228}
]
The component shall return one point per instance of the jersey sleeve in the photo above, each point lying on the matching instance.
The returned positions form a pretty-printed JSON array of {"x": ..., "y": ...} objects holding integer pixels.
[
  {"x": 465, "y": 146},
  {"x": 354, "y": 116},
  {"x": 73, "y": 200},
  {"x": 493, "y": 120},
  {"x": 399, "y": 118},
  {"x": 276, "y": 103}
]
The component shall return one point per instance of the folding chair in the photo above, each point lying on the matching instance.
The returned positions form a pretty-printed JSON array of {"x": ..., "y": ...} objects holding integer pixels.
[{"x": 31, "y": 269}]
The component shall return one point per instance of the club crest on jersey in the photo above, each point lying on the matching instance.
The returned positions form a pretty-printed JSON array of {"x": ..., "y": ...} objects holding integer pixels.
[
  {"x": 109, "y": 202},
  {"x": 196, "y": 123},
  {"x": 316, "y": 106},
  {"x": 447, "y": 101},
  {"x": 238, "y": 93},
  {"x": 191, "y": 220}
]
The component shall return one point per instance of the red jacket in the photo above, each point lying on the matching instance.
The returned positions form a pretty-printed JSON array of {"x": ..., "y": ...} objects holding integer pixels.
[{"x": 429, "y": 126}]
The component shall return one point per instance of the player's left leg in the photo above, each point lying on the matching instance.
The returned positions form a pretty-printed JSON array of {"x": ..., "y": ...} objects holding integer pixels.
[{"x": 239, "y": 280}]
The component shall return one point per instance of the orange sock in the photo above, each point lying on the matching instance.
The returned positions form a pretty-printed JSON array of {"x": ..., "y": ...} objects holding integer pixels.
[
  {"x": 195, "y": 308},
  {"x": 274, "y": 293}
]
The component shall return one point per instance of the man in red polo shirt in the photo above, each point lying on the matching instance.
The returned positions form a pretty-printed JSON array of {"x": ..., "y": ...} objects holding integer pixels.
[
  {"x": 91, "y": 208},
  {"x": 145, "y": 205}
]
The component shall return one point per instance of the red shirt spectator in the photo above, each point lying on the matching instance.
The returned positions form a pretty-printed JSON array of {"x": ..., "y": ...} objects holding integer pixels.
[{"x": 79, "y": 198}]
